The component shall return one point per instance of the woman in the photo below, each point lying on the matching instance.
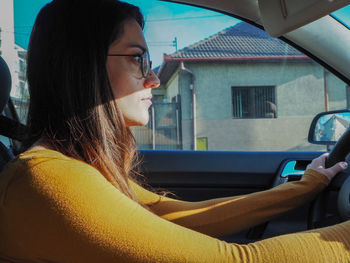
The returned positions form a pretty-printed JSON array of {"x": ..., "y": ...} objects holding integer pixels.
[{"x": 73, "y": 195}]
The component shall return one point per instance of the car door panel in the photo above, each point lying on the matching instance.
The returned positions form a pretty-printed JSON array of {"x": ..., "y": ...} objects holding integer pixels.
[
  {"x": 195, "y": 176},
  {"x": 255, "y": 170}
]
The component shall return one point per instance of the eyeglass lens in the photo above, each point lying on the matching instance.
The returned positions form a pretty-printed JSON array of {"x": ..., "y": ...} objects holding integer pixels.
[{"x": 146, "y": 64}]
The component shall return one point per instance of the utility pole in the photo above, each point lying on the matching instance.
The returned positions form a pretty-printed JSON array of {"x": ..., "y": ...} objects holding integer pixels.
[{"x": 175, "y": 43}]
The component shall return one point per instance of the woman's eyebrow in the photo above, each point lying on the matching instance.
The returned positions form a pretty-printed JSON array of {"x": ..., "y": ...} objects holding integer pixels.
[{"x": 135, "y": 45}]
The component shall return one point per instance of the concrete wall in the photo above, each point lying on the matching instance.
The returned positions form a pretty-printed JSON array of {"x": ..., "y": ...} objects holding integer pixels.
[
  {"x": 7, "y": 36},
  {"x": 172, "y": 87},
  {"x": 336, "y": 92},
  {"x": 282, "y": 134},
  {"x": 299, "y": 87},
  {"x": 299, "y": 97},
  {"x": 9, "y": 50}
]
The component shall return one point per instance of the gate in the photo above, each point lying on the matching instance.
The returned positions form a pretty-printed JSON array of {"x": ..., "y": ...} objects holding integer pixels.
[{"x": 163, "y": 130}]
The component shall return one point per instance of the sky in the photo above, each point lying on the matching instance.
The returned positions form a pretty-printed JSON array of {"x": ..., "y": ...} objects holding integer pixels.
[
  {"x": 343, "y": 14},
  {"x": 325, "y": 118},
  {"x": 164, "y": 22}
]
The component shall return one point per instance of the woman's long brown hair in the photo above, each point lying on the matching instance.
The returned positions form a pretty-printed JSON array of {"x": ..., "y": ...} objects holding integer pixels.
[{"x": 71, "y": 101}]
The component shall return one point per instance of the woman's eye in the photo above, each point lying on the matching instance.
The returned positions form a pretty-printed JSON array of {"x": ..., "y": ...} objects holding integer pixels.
[{"x": 137, "y": 58}]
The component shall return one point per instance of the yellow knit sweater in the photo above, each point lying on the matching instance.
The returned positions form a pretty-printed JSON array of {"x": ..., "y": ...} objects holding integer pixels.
[{"x": 56, "y": 209}]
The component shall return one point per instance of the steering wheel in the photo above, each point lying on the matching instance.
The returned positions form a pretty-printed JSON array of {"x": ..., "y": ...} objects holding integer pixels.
[{"x": 341, "y": 182}]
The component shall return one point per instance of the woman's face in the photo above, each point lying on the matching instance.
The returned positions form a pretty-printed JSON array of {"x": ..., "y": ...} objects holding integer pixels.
[{"x": 131, "y": 90}]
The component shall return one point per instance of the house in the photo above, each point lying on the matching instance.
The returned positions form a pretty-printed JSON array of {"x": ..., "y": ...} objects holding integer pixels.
[
  {"x": 15, "y": 57},
  {"x": 332, "y": 129},
  {"x": 254, "y": 77}
]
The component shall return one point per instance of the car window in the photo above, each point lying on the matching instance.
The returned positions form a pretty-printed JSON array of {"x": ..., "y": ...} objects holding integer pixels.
[
  {"x": 225, "y": 84},
  {"x": 232, "y": 89}
]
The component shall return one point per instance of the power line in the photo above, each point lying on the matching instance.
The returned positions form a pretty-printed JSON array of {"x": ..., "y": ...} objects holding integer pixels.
[
  {"x": 182, "y": 18},
  {"x": 164, "y": 43},
  {"x": 159, "y": 42},
  {"x": 23, "y": 26},
  {"x": 155, "y": 20},
  {"x": 16, "y": 33}
]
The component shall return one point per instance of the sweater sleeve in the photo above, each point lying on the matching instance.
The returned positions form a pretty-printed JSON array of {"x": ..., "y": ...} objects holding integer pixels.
[
  {"x": 64, "y": 211},
  {"x": 224, "y": 216}
]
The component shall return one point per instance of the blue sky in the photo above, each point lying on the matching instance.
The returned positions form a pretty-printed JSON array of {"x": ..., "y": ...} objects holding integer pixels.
[
  {"x": 343, "y": 14},
  {"x": 164, "y": 22},
  {"x": 25, "y": 13}
]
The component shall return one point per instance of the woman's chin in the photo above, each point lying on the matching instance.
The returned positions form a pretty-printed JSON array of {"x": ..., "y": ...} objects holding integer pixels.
[{"x": 138, "y": 122}]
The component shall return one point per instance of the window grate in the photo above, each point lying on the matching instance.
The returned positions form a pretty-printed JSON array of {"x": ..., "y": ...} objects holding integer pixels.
[{"x": 254, "y": 102}]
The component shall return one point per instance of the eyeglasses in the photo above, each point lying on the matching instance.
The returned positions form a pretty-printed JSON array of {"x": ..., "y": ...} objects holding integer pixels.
[{"x": 143, "y": 59}]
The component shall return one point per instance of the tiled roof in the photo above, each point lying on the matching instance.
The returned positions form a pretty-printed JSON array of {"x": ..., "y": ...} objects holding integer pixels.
[
  {"x": 156, "y": 70},
  {"x": 239, "y": 41}
]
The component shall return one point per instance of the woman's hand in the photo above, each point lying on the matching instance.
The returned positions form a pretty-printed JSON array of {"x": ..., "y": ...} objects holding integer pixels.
[{"x": 318, "y": 164}]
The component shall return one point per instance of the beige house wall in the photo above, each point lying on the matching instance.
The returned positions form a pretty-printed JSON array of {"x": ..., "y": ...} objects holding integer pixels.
[
  {"x": 299, "y": 97},
  {"x": 172, "y": 87},
  {"x": 282, "y": 134}
]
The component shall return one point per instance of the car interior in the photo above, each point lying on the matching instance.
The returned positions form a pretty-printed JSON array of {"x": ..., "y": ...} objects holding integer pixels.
[{"x": 199, "y": 175}]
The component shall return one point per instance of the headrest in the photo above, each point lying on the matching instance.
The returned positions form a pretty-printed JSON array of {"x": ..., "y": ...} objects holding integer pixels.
[{"x": 5, "y": 84}]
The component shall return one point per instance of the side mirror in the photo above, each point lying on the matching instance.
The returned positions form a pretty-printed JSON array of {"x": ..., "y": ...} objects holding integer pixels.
[{"x": 327, "y": 127}]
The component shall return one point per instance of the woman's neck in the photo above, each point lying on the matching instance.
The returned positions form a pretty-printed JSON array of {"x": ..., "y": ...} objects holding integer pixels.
[{"x": 39, "y": 145}]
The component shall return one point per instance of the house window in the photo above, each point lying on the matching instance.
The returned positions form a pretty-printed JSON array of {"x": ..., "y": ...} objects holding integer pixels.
[{"x": 254, "y": 102}]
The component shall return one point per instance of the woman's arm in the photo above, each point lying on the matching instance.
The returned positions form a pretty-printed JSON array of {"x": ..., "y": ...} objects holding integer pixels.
[
  {"x": 224, "y": 216},
  {"x": 64, "y": 211}
]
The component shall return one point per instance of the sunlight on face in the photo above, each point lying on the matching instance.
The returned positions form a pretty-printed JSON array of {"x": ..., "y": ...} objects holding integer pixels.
[{"x": 130, "y": 89}]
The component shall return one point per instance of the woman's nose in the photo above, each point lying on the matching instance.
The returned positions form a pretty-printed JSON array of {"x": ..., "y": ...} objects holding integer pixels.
[{"x": 152, "y": 81}]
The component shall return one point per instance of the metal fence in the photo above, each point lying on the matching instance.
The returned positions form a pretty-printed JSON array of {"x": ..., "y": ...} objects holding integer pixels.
[{"x": 163, "y": 130}]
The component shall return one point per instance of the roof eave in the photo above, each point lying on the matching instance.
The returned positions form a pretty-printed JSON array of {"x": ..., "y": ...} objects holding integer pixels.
[
  {"x": 170, "y": 64},
  {"x": 242, "y": 58}
]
